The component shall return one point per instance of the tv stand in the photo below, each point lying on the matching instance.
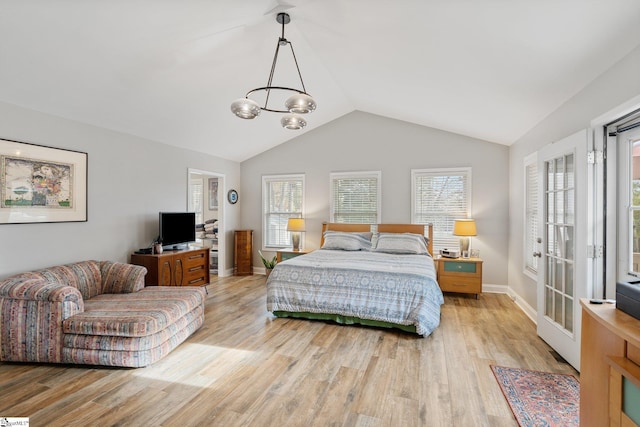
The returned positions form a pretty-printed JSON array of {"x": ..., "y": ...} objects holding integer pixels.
[{"x": 187, "y": 267}]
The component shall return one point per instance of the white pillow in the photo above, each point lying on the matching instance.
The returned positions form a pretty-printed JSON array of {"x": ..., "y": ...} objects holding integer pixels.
[
  {"x": 344, "y": 241},
  {"x": 402, "y": 243}
]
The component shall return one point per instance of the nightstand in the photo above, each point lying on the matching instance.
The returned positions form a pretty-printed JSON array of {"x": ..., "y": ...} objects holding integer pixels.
[
  {"x": 285, "y": 254},
  {"x": 462, "y": 275}
]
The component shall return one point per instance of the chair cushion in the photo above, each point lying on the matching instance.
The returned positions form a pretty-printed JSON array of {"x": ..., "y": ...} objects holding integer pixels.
[{"x": 134, "y": 315}]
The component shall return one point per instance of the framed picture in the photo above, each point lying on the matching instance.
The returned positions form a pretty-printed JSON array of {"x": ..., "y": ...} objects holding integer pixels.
[
  {"x": 41, "y": 184},
  {"x": 213, "y": 193}
]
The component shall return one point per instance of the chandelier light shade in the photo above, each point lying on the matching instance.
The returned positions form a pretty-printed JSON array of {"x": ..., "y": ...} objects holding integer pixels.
[
  {"x": 298, "y": 103},
  {"x": 293, "y": 122},
  {"x": 245, "y": 108}
]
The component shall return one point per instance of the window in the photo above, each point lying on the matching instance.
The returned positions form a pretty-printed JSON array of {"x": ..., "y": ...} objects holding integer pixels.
[
  {"x": 531, "y": 215},
  {"x": 195, "y": 198},
  {"x": 282, "y": 198},
  {"x": 439, "y": 197},
  {"x": 355, "y": 197}
]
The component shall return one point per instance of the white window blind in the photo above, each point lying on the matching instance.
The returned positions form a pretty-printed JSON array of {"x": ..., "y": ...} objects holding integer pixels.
[
  {"x": 196, "y": 193},
  {"x": 355, "y": 197},
  {"x": 282, "y": 197},
  {"x": 440, "y": 196},
  {"x": 531, "y": 215}
]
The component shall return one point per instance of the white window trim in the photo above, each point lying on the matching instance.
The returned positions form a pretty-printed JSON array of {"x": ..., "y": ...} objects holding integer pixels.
[
  {"x": 360, "y": 174},
  {"x": 441, "y": 171},
  {"x": 531, "y": 159},
  {"x": 283, "y": 177}
]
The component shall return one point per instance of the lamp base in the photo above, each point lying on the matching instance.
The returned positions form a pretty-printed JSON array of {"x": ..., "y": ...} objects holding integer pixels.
[
  {"x": 295, "y": 240},
  {"x": 464, "y": 247}
]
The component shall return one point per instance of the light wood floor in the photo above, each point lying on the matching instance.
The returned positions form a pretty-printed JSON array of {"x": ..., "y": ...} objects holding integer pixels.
[{"x": 247, "y": 368}]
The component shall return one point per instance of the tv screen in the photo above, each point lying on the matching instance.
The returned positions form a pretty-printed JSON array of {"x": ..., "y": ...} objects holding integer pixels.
[{"x": 177, "y": 228}]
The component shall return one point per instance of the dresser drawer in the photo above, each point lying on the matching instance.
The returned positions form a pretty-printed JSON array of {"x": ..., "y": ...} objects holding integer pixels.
[
  {"x": 459, "y": 284},
  {"x": 458, "y": 267}
]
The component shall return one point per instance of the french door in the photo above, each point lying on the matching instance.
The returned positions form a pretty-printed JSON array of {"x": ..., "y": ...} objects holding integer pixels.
[{"x": 563, "y": 224}]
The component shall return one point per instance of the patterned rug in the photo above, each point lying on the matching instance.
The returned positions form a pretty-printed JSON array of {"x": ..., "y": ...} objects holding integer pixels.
[{"x": 540, "y": 398}]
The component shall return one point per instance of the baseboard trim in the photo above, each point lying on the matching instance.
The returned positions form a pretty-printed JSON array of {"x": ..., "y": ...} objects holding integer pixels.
[{"x": 529, "y": 311}]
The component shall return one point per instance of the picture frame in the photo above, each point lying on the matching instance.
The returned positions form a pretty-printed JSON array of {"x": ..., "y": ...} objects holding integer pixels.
[
  {"x": 40, "y": 184},
  {"x": 213, "y": 194}
]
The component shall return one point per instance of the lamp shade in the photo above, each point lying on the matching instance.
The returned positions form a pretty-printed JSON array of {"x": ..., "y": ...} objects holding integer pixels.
[
  {"x": 295, "y": 224},
  {"x": 464, "y": 227}
]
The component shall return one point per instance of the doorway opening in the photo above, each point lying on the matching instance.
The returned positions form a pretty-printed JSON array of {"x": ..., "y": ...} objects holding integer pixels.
[{"x": 205, "y": 190}]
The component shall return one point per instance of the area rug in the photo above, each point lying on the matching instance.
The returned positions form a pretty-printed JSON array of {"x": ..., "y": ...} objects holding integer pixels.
[{"x": 540, "y": 398}]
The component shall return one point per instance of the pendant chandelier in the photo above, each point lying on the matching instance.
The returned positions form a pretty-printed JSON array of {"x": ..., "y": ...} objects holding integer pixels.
[{"x": 298, "y": 103}]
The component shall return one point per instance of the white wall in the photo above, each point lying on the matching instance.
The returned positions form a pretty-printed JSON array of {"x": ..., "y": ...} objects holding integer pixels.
[
  {"x": 361, "y": 142},
  {"x": 130, "y": 180},
  {"x": 613, "y": 88}
]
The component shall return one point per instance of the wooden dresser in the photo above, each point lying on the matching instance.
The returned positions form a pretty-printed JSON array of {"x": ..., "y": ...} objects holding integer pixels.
[
  {"x": 175, "y": 268},
  {"x": 243, "y": 253},
  {"x": 609, "y": 366}
]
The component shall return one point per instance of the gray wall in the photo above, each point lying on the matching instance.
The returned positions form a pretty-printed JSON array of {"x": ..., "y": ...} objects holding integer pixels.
[
  {"x": 613, "y": 88},
  {"x": 361, "y": 142},
  {"x": 130, "y": 181}
]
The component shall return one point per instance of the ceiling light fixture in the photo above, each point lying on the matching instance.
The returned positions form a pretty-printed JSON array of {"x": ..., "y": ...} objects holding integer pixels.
[{"x": 298, "y": 103}]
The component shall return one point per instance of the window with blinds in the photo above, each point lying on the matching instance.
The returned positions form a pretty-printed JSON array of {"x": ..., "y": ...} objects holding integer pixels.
[
  {"x": 531, "y": 214},
  {"x": 282, "y": 198},
  {"x": 440, "y": 196},
  {"x": 355, "y": 197},
  {"x": 196, "y": 196}
]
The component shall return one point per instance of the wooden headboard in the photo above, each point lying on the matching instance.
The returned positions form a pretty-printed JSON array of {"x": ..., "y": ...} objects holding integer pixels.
[{"x": 382, "y": 228}]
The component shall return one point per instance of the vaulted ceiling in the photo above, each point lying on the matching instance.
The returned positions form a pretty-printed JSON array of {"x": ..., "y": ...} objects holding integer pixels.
[{"x": 168, "y": 70}]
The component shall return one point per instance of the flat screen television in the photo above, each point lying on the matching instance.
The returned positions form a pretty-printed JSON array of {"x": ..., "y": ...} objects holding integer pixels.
[{"x": 177, "y": 229}]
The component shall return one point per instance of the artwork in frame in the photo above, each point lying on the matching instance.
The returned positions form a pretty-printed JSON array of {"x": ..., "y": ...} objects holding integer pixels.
[
  {"x": 41, "y": 184},
  {"x": 213, "y": 193}
]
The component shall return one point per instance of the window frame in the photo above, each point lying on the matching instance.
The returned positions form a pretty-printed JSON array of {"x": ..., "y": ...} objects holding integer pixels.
[
  {"x": 531, "y": 213},
  {"x": 440, "y": 237},
  {"x": 333, "y": 176},
  {"x": 266, "y": 180}
]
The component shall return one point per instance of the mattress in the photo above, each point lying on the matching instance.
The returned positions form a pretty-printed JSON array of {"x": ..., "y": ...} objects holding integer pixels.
[{"x": 374, "y": 287}]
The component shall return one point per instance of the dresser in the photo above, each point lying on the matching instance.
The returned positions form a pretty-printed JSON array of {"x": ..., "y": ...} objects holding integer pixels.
[
  {"x": 462, "y": 275},
  {"x": 175, "y": 268},
  {"x": 242, "y": 255},
  {"x": 609, "y": 367}
]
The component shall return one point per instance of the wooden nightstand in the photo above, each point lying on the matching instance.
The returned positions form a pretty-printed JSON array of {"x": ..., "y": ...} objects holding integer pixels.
[
  {"x": 462, "y": 275},
  {"x": 285, "y": 254}
]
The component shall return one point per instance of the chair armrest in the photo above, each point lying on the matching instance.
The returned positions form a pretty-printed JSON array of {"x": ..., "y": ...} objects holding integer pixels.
[
  {"x": 37, "y": 289},
  {"x": 121, "y": 278}
]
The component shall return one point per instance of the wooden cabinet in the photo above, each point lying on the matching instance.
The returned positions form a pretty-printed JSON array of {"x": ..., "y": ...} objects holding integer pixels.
[
  {"x": 609, "y": 366},
  {"x": 175, "y": 268},
  {"x": 460, "y": 275},
  {"x": 285, "y": 254},
  {"x": 243, "y": 253}
]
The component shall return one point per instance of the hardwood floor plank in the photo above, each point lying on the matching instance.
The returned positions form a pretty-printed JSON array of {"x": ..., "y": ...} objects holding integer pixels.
[{"x": 245, "y": 367}]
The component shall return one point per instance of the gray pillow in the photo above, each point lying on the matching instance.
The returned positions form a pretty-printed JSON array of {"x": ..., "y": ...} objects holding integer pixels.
[
  {"x": 401, "y": 243},
  {"x": 344, "y": 241}
]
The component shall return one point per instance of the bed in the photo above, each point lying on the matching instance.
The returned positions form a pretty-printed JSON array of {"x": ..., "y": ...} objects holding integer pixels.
[{"x": 389, "y": 281}]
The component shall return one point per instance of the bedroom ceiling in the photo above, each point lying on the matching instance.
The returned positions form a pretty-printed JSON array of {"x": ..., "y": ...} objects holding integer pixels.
[{"x": 169, "y": 70}]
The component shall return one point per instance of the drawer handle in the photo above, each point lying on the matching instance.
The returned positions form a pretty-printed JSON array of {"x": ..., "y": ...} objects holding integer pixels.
[
  {"x": 200, "y": 279},
  {"x": 200, "y": 267}
]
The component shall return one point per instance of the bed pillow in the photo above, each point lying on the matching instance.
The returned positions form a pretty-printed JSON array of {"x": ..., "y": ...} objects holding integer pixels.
[
  {"x": 402, "y": 243},
  {"x": 344, "y": 241}
]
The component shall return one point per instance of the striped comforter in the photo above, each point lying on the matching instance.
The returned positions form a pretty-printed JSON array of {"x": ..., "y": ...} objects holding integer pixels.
[{"x": 399, "y": 289}]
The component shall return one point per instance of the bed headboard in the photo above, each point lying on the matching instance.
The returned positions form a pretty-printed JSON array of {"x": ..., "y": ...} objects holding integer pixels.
[{"x": 382, "y": 228}]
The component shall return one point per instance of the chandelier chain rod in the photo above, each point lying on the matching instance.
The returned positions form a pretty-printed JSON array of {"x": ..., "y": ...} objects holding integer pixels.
[
  {"x": 297, "y": 67},
  {"x": 273, "y": 70}
]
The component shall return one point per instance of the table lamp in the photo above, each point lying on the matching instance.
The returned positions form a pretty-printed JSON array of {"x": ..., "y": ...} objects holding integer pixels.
[
  {"x": 464, "y": 228},
  {"x": 295, "y": 226}
]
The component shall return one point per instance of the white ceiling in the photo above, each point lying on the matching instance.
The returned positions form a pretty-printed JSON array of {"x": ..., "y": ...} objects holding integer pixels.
[{"x": 168, "y": 70}]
